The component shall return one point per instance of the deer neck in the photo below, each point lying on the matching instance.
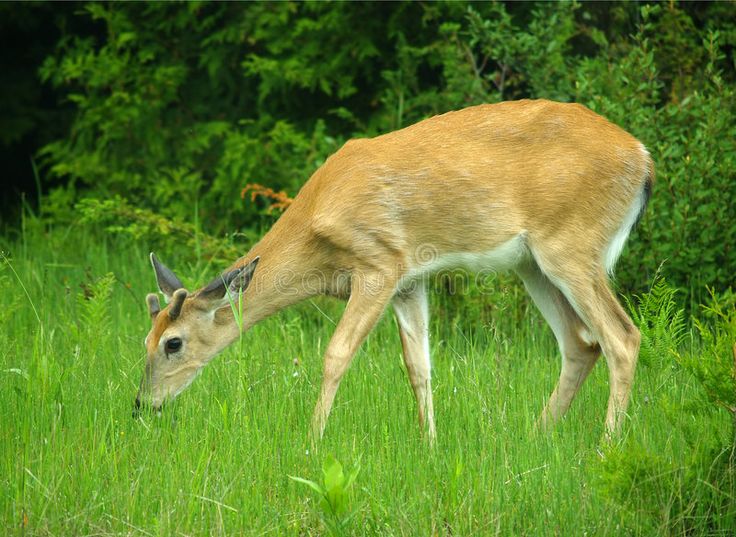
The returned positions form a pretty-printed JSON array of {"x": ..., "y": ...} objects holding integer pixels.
[{"x": 288, "y": 272}]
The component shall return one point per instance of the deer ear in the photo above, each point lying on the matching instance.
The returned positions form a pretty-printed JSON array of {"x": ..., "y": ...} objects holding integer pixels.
[
  {"x": 230, "y": 283},
  {"x": 165, "y": 277}
]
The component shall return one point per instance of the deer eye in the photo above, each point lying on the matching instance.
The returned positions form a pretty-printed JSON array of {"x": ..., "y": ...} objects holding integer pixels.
[{"x": 172, "y": 345}]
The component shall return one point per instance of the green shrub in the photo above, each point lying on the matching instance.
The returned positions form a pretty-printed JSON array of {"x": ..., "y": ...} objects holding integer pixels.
[
  {"x": 178, "y": 107},
  {"x": 687, "y": 489},
  {"x": 715, "y": 366}
]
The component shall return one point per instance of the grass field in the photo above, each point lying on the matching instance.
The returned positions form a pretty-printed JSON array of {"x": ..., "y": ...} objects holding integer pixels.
[{"x": 74, "y": 462}]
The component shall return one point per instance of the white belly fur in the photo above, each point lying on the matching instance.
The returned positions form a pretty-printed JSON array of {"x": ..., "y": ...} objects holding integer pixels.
[{"x": 504, "y": 257}]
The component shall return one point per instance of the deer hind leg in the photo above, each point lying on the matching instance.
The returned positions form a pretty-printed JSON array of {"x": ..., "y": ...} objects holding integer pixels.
[
  {"x": 620, "y": 341},
  {"x": 369, "y": 297},
  {"x": 412, "y": 314},
  {"x": 592, "y": 299},
  {"x": 579, "y": 352}
]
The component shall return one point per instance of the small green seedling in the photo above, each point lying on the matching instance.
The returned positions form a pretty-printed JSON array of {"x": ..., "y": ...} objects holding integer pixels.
[{"x": 333, "y": 494}]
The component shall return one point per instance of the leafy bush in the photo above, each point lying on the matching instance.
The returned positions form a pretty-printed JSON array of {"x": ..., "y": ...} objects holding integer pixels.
[
  {"x": 715, "y": 366},
  {"x": 691, "y": 490},
  {"x": 180, "y": 106},
  {"x": 118, "y": 216}
]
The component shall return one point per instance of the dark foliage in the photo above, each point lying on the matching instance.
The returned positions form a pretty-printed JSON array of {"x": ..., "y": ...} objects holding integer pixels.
[{"x": 176, "y": 107}]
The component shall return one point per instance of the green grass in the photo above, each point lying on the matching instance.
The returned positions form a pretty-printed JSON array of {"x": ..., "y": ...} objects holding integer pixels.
[{"x": 74, "y": 462}]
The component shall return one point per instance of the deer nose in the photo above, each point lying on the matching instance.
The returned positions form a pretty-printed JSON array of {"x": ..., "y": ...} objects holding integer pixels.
[{"x": 137, "y": 407}]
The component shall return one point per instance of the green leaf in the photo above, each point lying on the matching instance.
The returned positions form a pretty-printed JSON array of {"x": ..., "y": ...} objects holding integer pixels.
[
  {"x": 334, "y": 476},
  {"x": 311, "y": 484}
]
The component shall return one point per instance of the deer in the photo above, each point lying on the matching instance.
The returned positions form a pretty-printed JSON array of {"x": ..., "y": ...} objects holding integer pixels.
[{"x": 548, "y": 190}]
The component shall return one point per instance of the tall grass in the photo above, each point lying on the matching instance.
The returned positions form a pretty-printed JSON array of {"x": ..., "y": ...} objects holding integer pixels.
[{"x": 74, "y": 462}]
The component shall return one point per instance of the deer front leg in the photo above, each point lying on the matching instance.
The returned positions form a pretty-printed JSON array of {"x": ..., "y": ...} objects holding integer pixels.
[{"x": 368, "y": 299}]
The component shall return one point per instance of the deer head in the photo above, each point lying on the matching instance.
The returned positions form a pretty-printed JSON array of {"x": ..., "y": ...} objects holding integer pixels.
[{"x": 189, "y": 331}]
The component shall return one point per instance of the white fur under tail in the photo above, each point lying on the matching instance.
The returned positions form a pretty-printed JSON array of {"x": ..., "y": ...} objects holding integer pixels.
[{"x": 614, "y": 249}]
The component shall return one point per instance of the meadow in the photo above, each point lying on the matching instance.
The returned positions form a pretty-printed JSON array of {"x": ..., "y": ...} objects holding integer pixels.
[{"x": 73, "y": 461}]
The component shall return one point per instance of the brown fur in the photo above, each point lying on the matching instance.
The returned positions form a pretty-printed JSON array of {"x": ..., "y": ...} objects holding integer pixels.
[{"x": 160, "y": 324}]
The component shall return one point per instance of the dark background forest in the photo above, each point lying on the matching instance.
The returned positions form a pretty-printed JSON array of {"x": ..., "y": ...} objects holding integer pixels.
[{"x": 146, "y": 117}]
